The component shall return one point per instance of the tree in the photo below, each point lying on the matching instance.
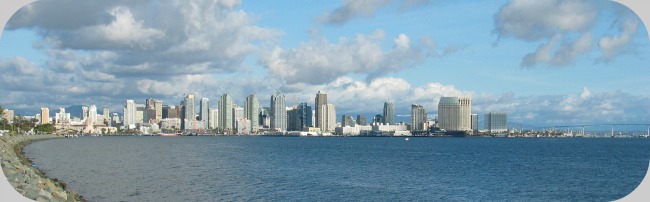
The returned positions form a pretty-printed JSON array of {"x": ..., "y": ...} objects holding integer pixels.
[{"x": 46, "y": 128}]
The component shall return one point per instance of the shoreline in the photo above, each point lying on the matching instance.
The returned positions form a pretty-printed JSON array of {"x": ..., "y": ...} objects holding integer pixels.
[{"x": 27, "y": 180}]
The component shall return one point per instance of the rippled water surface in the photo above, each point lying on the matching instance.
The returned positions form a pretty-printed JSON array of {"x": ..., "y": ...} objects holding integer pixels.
[{"x": 348, "y": 169}]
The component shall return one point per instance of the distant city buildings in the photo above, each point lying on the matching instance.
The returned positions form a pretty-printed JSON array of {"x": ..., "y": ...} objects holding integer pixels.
[
  {"x": 278, "y": 112},
  {"x": 496, "y": 122},
  {"x": 361, "y": 120},
  {"x": 225, "y": 112},
  {"x": 346, "y": 120},
  {"x": 418, "y": 118},
  {"x": 251, "y": 112},
  {"x": 389, "y": 113},
  {"x": 319, "y": 102},
  {"x": 474, "y": 122},
  {"x": 454, "y": 113},
  {"x": 45, "y": 115},
  {"x": 189, "y": 116},
  {"x": 204, "y": 112}
]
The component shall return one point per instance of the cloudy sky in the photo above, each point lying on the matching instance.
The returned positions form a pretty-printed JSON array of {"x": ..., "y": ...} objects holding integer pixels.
[{"x": 544, "y": 62}]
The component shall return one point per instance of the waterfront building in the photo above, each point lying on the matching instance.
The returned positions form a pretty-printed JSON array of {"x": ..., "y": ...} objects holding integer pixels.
[
  {"x": 214, "y": 119},
  {"x": 115, "y": 119},
  {"x": 331, "y": 117},
  {"x": 278, "y": 112},
  {"x": 474, "y": 122},
  {"x": 225, "y": 112},
  {"x": 389, "y": 112},
  {"x": 320, "y": 116},
  {"x": 251, "y": 112},
  {"x": 361, "y": 120},
  {"x": 158, "y": 105},
  {"x": 139, "y": 113},
  {"x": 204, "y": 112},
  {"x": 45, "y": 115},
  {"x": 84, "y": 112},
  {"x": 189, "y": 115},
  {"x": 61, "y": 117},
  {"x": 346, "y": 120},
  {"x": 92, "y": 115},
  {"x": 129, "y": 113},
  {"x": 418, "y": 118},
  {"x": 265, "y": 117},
  {"x": 106, "y": 116},
  {"x": 378, "y": 119},
  {"x": 454, "y": 113},
  {"x": 237, "y": 115},
  {"x": 496, "y": 122},
  {"x": 299, "y": 117}
]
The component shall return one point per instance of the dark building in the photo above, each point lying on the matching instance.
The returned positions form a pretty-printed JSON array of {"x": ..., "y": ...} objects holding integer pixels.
[
  {"x": 299, "y": 117},
  {"x": 346, "y": 120},
  {"x": 361, "y": 120}
]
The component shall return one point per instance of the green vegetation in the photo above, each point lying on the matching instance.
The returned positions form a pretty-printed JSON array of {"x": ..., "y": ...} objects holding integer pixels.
[{"x": 45, "y": 128}]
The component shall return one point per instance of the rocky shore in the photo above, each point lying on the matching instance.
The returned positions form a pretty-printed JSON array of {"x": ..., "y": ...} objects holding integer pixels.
[{"x": 27, "y": 180}]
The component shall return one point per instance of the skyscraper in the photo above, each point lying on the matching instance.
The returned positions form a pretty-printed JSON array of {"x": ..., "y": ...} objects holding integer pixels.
[
  {"x": 107, "y": 116},
  {"x": 189, "y": 116},
  {"x": 157, "y": 105},
  {"x": 299, "y": 117},
  {"x": 331, "y": 117},
  {"x": 204, "y": 112},
  {"x": 45, "y": 115},
  {"x": 278, "y": 112},
  {"x": 225, "y": 112},
  {"x": 418, "y": 117},
  {"x": 361, "y": 120},
  {"x": 474, "y": 122},
  {"x": 389, "y": 112},
  {"x": 84, "y": 112},
  {"x": 237, "y": 117},
  {"x": 92, "y": 115},
  {"x": 454, "y": 113},
  {"x": 496, "y": 122},
  {"x": 129, "y": 113},
  {"x": 251, "y": 111},
  {"x": 214, "y": 118},
  {"x": 320, "y": 100},
  {"x": 346, "y": 120}
]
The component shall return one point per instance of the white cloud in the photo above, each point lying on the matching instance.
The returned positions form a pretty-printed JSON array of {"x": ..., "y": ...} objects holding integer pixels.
[
  {"x": 566, "y": 29},
  {"x": 612, "y": 46},
  {"x": 320, "y": 61},
  {"x": 557, "y": 53},
  {"x": 543, "y": 19}
]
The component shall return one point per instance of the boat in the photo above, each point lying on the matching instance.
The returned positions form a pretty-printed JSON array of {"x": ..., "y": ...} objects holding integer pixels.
[
  {"x": 407, "y": 139},
  {"x": 169, "y": 134}
]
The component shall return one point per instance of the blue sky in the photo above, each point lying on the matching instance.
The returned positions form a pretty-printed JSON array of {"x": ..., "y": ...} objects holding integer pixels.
[{"x": 543, "y": 62}]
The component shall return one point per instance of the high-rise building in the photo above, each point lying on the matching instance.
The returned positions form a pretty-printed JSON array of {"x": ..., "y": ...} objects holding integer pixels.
[
  {"x": 107, "y": 116},
  {"x": 214, "y": 118},
  {"x": 299, "y": 117},
  {"x": 496, "y": 122},
  {"x": 265, "y": 117},
  {"x": 331, "y": 117},
  {"x": 389, "y": 112},
  {"x": 150, "y": 102},
  {"x": 346, "y": 120},
  {"x": 454, "y": 113},
  {"x": 84, "y": 112},
  {"x": 189, "y": 116},
  {"x": 418, "y": 117},
  {"x": 278, "y": 112},
  {"x": 45, "y": 115},
  {"x": 157, "y": 105},
  {"x": 139, "y": 113},
  {"x": 474, "y": 122},
  {"x": 129, "y": 113},
  {"x": 237, "y": 117},
  {"x": 225, "y": 112},
  {"x": 204, "y": 112},
  {"x": 361, "y": 120},
  {"x": 92, "y": 115},
  {"x": 320, "y": 101},
  {"x": 251, "y": 111}
]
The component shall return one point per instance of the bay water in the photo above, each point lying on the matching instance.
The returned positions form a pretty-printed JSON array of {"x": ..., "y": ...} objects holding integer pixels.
[{"x": 233, "y": 168}]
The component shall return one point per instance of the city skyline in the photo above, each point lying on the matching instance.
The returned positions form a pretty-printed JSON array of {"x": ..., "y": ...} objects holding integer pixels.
[{"x": 584, "y": 71}]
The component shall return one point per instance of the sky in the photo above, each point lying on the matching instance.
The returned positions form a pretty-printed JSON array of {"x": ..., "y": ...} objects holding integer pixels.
[{"x": 544, "y": 62}]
